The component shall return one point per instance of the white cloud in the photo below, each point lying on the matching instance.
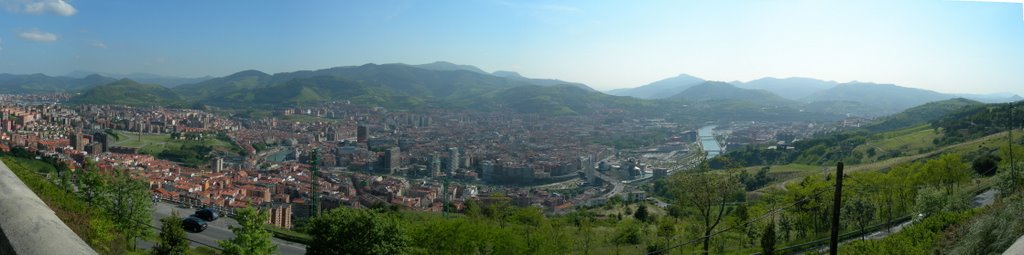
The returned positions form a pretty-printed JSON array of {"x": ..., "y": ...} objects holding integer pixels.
[
  {"x": 38, "y": 36},
  {"x": 59, "y": 7},
  {"x": 98, "y": 45}
]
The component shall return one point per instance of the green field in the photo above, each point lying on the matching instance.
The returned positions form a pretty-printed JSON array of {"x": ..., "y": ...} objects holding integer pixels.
[
  {"x": 153, "y": 144},
  {"x": 898, "y": 143}
]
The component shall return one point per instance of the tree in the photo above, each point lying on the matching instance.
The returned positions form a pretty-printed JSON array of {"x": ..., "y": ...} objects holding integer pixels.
[
  {"x": 172, "y": 237},
  {"x": 768, "y": 239},
  {"x": 947, "y": 171},
  {"x": 354, "y": 231},
  {"x": 708, "y": 193},
  {"x": 472, "y": 209},
  {"x": 130, "y": 206},
  {"x": 251, "y": 238},
  {"x": 90, "y": 183},
  {"x": 986, "y": 165},
  {"x": 627, "y": 232},
  {"x": 860, "y": 211},
  {"x": 641, "y": 213}
]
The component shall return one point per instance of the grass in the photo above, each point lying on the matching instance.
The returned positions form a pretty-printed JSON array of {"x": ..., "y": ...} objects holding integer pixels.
[
  {"x": 289, "y": 235},
  {"x": 153, "y": 144},
  {"x": 991, "y": 141},
  {"x": 912, "y": 140},
  {"x": 203, "y": 250},
  {"x": 87, "y": 222}
]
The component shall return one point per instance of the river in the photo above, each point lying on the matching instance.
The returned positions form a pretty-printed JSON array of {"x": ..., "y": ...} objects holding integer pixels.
[{"x": 708, "y": 142}]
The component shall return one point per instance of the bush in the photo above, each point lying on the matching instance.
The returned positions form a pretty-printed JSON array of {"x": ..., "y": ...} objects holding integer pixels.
[
  {"x": 920, "y": 238},
  {"x": 991, "y": 232}
]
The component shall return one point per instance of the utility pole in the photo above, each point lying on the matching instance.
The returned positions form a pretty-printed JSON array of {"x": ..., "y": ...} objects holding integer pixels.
[
  {"x": 837, "y": 201},
  {"x": 444, "y": 200},
  {"x": 314, "y": 169},
  {"x": 1013, "y": 167}
]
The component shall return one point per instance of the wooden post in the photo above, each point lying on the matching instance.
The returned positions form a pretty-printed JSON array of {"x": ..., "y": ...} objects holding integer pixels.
[{"x": 837, "y": 202}]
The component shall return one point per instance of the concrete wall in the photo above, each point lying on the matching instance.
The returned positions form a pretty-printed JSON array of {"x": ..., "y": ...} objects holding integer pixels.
[{"x": 28, "y": 226}]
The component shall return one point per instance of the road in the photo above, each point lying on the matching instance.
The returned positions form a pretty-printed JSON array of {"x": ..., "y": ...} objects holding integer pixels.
[
  {"x": 982, "y": 200},
  {"x": 216, "y": 230},
  {"x": 617, "y": 186}
]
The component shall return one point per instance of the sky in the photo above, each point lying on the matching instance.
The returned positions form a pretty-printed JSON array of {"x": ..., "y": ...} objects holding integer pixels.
[{"x": 946, "y": 46}]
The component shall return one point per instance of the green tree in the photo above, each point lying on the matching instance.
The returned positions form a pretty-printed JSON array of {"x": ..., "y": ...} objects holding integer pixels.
[
  {"x": 860, "y": 212},
  {"x": 986, "y": 165},
  {"x": 172, "y": 237},
  {"x": 627, "y": 233},
  {"x": 90, "y": 183},
  {"x": 947, "y": 171},
  {"x": 472, "y": 209},
  {"x": 354, "y": 231},
  {"x": 641, "y": 213},
  {"x": 708, "y": 193},
  {"x": 251, "y": 238},
  {"x": 130, "y": 206}
]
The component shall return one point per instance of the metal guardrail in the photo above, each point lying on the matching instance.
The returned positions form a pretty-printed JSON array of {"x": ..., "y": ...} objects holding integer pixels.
[{"x": 28, "y": 226}]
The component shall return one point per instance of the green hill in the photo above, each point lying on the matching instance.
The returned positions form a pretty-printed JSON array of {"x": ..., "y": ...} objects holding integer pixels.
[
  {"x": 234, "y": 83},
  {"x": 890, "y": 99},
  {"x": 921, "y": 114},
  {"x": 557, "y": 100},
  {"x": 128, "y": 92},
  {"x": 713, "y": 91},
  {"x": 36, "y": 83}
]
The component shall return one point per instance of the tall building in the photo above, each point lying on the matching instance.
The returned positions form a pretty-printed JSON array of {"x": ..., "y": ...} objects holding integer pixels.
[
  {"x": 392, "y": 159},
  {"x": 453, "y": 159},
  {"x": 488, "y": 170},
  {"x": 77, "y": 141},
  {"x": 217, "y": 165},
  {"x": 101, "y": 138},
  {"x": 435, "y": 165},
  {"x": 362, "y": 133}
]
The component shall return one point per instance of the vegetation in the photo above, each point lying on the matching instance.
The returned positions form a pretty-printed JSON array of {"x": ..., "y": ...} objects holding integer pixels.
[
  {"x": 922, "y": 114},
  {"x": 194, "y": 151},
  {"x": 128, "y": 92},
  {"x": 128, "y": 202},
  {"x": 707, "y": 193},
  {"x": 89, "y": 221},
  {"x": 172, "y": 237},
  {"x": 377, "y": 233},
  {"x": 250, "y": 238},
  {"x": 920, "y": 238}
]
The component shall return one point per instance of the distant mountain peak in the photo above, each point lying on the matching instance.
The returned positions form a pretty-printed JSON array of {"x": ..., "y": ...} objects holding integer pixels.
[
  {"x": 660, "y": 89},
  {"x": 250, "y": 72},
  {"x": 507, "y": 74},
  {"x": 449, "y": 66}
]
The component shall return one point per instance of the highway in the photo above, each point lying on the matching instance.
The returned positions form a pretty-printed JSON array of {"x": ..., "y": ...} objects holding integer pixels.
[{"x": 217, "y": 230}]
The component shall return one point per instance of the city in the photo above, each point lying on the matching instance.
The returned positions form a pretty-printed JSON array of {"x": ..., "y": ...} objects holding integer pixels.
[{"x": 511, "y": 127}]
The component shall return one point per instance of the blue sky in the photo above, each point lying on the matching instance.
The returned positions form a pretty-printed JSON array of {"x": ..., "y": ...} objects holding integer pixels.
[{"x": 947, "y": 46}]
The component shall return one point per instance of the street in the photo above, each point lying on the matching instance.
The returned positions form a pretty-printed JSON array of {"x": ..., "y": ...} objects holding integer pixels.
[{"x": 216, "y": 231}]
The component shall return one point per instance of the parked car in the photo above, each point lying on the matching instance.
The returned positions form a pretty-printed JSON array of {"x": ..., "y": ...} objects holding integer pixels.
[
  {"x": 194, "y": 225},
  {"x": 207, "y": 214}
]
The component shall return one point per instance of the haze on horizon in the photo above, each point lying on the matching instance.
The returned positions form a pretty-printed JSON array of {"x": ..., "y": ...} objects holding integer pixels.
[{"x": 946, "y": 46}]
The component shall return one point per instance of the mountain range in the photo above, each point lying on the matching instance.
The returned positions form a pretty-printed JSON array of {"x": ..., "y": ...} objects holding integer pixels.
[
  {"x": 444, "y": 84},
  {"x": 852, "y": 98},
  {"x": 148, "y": 78}
]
